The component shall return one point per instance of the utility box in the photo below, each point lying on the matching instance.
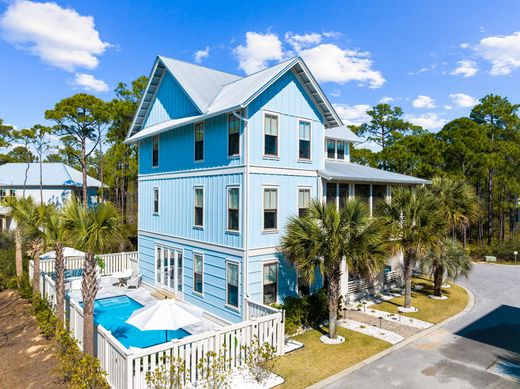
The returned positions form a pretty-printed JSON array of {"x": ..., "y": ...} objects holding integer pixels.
[{"x": 490, "y": 258}]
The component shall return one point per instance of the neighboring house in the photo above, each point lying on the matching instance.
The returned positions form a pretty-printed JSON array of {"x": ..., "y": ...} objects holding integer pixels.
[
  {"x": 59, "y": 183},
  {"x": 223, "y": 162}
]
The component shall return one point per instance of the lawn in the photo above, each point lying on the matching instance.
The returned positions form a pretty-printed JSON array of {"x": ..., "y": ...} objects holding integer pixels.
[
  {"x": 433, "y": 311},
  {"x": 316, "y": 361}
]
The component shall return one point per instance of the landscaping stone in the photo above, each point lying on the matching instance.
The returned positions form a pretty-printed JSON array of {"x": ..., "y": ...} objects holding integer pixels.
[
  {"x": 242, "y": 379},
  {"x": 437, "y": 297},
  {"x": 389, "y": 325},
  {"x": 407, "y": 321},
  {"x": 370, "y": 330},
  {"x": 407, "y": 310},
  {"x": 325, "y": 339}
]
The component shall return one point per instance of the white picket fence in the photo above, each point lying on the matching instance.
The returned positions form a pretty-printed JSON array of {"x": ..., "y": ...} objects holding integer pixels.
[{"x": 127, "y": 369}]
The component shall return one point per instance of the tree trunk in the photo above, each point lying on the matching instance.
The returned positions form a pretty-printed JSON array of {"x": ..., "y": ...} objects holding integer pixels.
[
  {"x": 36, "y": 247},
  {"x": 59, "y": 268},
  {"x": 490, "y": 215},
  {"x": 333, "y": 298},
  {"x": 437, "y": 281},
  {"x": 18, "y": 237},
  {"x": 479, "y": 223},
  {"x": 84, "y": 173},
  {"x": 89, "y": 291},
  {"x": 407, "y": 282}
]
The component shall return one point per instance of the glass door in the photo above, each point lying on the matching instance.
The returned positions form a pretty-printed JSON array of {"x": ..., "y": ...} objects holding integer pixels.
[{"x": 169, "y": 269}]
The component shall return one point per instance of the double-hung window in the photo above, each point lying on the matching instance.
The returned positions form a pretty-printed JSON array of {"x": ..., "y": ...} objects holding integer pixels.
[
  {"x": 199, "y": 141},
  {"x": 155, "y": 151},
  {"x": 270, "y": 209},
  {"x": 232, "y": 284},
  {"x": 340, "y": 149},
  {"x": 155, "y": 200},
  {"x": 270, "y": 135},
  {"x": 198, "y": 273},
  {"x": 270, "y": 283},
  {"x": 304, "y": 140},
  {"x": 233, "y": 135},
  {"x": 304, "y": 199},
  {"x": 199, "y": 207},
  {"x": 331, "y": 148},
  {"x": 233, "y": 209}
]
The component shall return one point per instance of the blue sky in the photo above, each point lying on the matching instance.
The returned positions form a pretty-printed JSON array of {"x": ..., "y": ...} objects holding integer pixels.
[{"x": 432, "y": 58}]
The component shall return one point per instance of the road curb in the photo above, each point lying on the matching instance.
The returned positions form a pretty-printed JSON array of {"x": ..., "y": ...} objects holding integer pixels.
[{"x": 398, "y": 346}]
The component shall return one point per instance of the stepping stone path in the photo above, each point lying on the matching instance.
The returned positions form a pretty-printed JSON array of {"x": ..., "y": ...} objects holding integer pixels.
[{"x": 404, "y": 331}]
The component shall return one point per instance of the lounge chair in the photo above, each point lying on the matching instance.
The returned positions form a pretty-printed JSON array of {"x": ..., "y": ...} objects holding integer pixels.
[{"x": 135, "y": 282}]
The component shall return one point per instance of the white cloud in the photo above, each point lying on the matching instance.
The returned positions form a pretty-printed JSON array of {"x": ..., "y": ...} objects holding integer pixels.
[
  {"x": 423, "y": 102},
  {"x": 353, "y": 114},
  {"x": 60, "y": 37},
  {"x": 466, "y": 68},
  {"x": 89, "y": 82},
  {"x": 259, "y": 50},
  {"x": 463, "y": 100},
  {"x": 429, "y": 120},
  {"x": 299, "y": 42},
  {"x": 464, "y": 45},
  {"x": 331, "y": 34},
  {"x": 386, "y": 99},
  {"x": 502, "y": 51},
  {"x": 330, "y": 63},
  {"x": 201, "y": 54},
  {"x": 335, "y": 93},
  {"x": 448, "y": 107},
  {"x": 425, "y": 69}
]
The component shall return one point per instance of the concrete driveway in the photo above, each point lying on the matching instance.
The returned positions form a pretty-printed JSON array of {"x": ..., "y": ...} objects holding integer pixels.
[{"x": 458, "y": 354}]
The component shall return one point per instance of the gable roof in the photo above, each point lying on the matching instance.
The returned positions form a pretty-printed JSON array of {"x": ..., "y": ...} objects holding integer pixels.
[
  {"x": 54, "y": 174},
  {"x": 343, "y": 133},
  {"x": 214, "y": 92}
]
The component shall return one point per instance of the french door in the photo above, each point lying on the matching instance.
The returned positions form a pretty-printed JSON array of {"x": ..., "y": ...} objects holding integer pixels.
[{"x": 169, "y": 269}]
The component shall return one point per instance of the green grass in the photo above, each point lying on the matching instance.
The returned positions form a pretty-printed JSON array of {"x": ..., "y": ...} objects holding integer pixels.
[
  {"x": 430, "y": 310},
  {"x": 316, "y": 361}
]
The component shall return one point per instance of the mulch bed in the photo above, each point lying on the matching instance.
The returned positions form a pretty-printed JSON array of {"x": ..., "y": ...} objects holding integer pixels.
[{"x": 26, "y": 357}]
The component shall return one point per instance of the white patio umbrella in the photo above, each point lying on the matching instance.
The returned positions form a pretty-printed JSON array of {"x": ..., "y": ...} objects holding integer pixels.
[
  {"x": 164, "y": 315},
  {"x": 67, "y": 252}
]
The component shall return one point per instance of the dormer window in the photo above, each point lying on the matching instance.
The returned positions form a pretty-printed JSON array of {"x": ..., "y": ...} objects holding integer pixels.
[
  {"x": 331, "y": 148},
  {"x": 336, "y": 149},
  {"x": 340, "y": 149}
]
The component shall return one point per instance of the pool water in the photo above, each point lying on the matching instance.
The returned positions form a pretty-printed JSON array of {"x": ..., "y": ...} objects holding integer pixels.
[{"x": 112, "y": 312}]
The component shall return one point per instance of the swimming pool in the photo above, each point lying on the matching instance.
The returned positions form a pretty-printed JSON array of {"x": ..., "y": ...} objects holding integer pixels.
[{"x": 112, "y": 312}]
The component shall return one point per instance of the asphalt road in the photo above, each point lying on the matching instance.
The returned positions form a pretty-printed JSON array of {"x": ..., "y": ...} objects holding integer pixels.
[{"x": 458, "y": 354}]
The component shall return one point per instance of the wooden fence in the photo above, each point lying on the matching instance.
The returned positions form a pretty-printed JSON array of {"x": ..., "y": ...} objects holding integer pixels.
[{"x": 127, "y": 369}]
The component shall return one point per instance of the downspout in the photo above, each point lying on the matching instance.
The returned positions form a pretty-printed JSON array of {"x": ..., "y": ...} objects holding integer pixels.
[{"x": 245, "y": 202}]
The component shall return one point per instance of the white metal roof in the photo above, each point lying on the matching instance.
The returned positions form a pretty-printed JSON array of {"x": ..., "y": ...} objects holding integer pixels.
[
  {"x": 54, "y": 174},
  {"x": 343, "y": 133},
  {"x": 347, "y": 171},
  {"x": 215, "y": 92}
]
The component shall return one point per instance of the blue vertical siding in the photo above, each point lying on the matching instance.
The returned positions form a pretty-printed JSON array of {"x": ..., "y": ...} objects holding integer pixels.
[
  {"x": 170, "y": 102},
  {"x": 176, "y": 208},
  {"x": 177, "y": 148},
  {"x": 213, "y": 299}
]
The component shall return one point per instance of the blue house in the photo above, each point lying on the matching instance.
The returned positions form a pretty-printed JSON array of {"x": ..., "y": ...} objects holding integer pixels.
[{"x": 224, "y": 160}]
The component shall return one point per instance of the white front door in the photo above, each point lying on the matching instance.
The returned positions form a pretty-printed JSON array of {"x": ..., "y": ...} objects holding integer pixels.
[{"x": 169, "y": 269}]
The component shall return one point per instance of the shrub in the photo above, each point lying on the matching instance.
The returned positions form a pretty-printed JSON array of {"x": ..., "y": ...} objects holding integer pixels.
[
  {"x": 306, "y": 311},
  {"x": 44, "y": 316},
  {"x": 259, "y": 359},
  {"x": 502, "y": 250},
  {"x": 215, "y": 370}
]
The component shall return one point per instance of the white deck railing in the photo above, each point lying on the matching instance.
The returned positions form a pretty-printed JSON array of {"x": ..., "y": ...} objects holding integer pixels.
[
  {"x": 393, "y": 276},
  {"x": 126, "y": 369}
]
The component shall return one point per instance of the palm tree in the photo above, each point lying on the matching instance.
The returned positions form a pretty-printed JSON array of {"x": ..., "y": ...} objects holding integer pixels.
[
  {"x": 55, "y": 237},
  {"x": 91, "y": 230},
  {"x": 16, "y": 206},
  {"x": 448, "y": 257},
  {"x": 325, "y": 236},
  {"x": 416, "y": 225}
]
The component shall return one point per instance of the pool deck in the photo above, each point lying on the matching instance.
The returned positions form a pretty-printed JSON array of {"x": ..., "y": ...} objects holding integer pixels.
[{"x": 109, "y": 288}]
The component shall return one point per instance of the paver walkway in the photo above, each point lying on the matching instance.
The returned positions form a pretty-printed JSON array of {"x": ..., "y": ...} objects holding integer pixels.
[{"x": 404, "y": 331}]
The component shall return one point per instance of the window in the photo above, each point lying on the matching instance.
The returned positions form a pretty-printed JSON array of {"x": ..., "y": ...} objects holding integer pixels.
[
  {"x": 271, "y": 135},
  {"x": 198, "y": 273},
  {"x": 340, "y": 149},
  {"x": 233, "y": 135},
  {"x": 199, "y": 207},
  {"x": 343, "y": 195},
  {"x": 270, "y": 209},
  {"x": 331, "y": 192},
  {"x": 378, "y": 197},
  {"x": 270, "y": 283},
  {"x": 155, "y": 151},
  {"x": 304, "y": 199},
  {"x": 156, "y": 200},
  {"x": 331, "y": 148},
  {"x": 305, "y": 140},
  {"x": 199, "y": 141},
  {"x": 232, "y": 284},
  {"x": 362, "y": 192},
  {"x": 233, "y": 209}
]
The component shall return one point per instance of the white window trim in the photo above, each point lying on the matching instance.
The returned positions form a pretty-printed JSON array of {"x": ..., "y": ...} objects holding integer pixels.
[
  {"x": 156, "y": 188},
  {"x": 158, "y": 151},
  {"x": 201, "y": 294},
  {"x": 327, "y": 149},
  {"x": 237, "y": 308},
  {"x": 309, "y": 188},
  {"x": 270, "y": 262},
  {"x": 203, "y": 142},
  {"x": 344, "y": 150},
  {"x": 266, "y": 156},
  {"x": 234, "y": 156},
  {"x": 227, "y": 209},
  {"x": 203, "y": 207},
  {"x": 298, "y": 120},
  {"x": 277, "y": 229}
]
